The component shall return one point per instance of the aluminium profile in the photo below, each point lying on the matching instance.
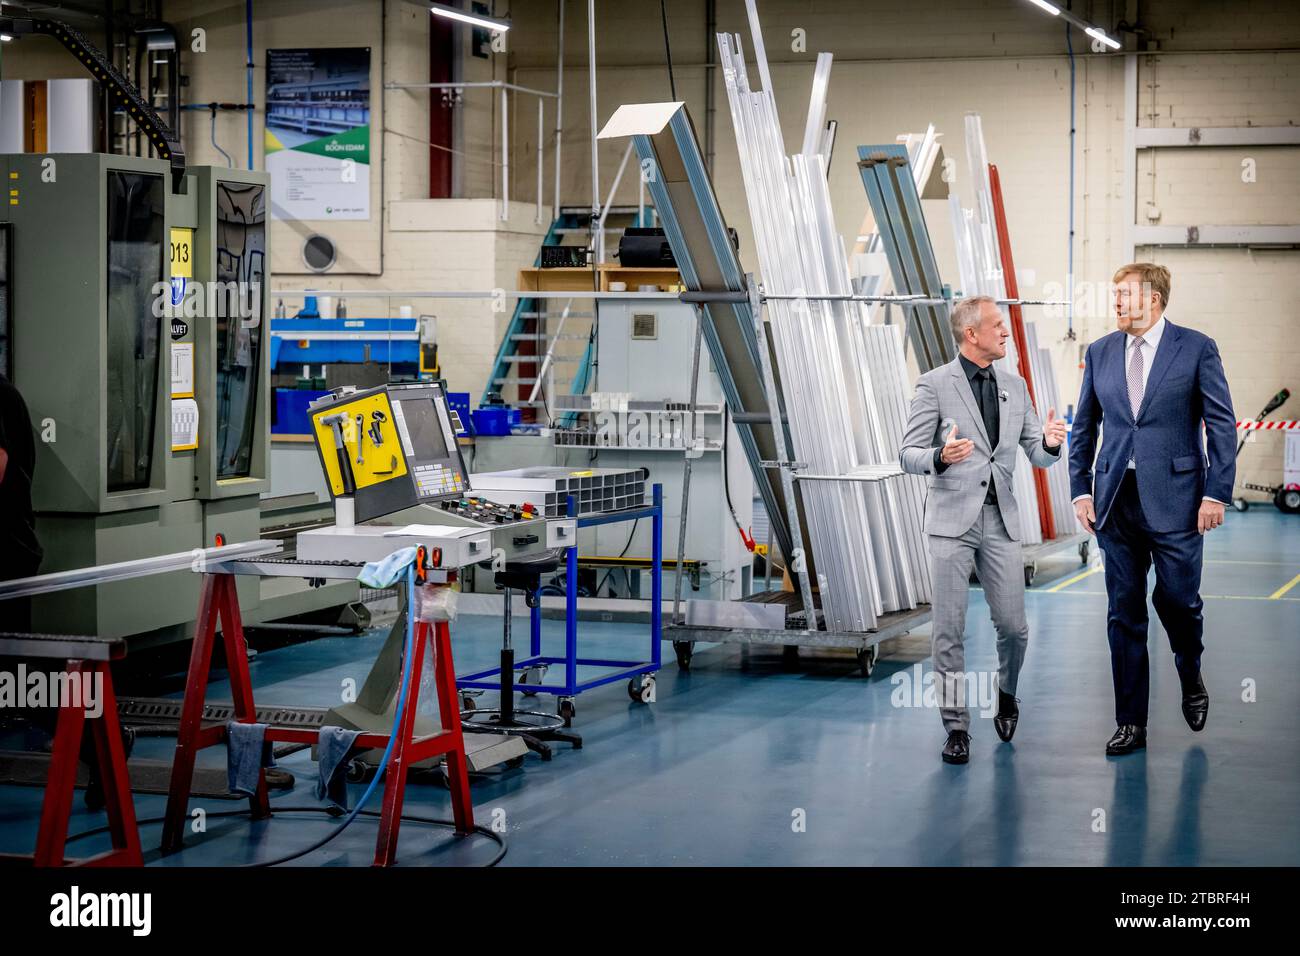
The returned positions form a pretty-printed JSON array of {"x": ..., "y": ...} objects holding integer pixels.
[
  {"x": 678, "y": 182},
  {"x": 896, "y": 205}
]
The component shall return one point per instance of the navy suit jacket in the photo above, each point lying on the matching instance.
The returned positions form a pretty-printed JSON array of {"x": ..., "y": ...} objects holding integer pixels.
[{"x": 1185, "y": 388}]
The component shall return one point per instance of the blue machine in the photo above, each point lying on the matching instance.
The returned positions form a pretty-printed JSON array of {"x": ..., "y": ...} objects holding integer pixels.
[{"x": 306, "y": 340}]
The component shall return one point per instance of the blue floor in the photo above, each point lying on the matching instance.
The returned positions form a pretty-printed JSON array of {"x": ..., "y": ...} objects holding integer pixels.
[{"x": 743, "y": 762}]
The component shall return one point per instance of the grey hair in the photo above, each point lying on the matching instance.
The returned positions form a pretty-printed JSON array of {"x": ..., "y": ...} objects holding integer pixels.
[{"x": 966, "y": 314}]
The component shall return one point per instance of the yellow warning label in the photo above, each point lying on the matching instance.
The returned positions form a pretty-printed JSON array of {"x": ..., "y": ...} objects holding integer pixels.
[{"x": 183, "y": 253}]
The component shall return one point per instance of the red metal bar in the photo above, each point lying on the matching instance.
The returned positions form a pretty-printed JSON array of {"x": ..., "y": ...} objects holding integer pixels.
[
  {"x": 444, "y": 675},
  {"x": 390, "y": 819},
  {"x": 115, "y": 779},
  {"x": 1046, "y": 520},
  {"x": 188, "y": 741},
  {"x": 56, "y": 809},
  {"x": 241, "y": 683}
]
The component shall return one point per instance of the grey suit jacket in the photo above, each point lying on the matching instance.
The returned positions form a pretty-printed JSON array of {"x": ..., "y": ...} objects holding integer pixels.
[{"x": 943, "y": 397}]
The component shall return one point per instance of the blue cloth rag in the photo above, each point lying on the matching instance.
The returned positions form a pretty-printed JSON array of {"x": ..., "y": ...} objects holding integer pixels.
[
  {"x": 384, "y": 574},
  {"x": 247, "y": 752},
  {"x": 332, "y": 750}
]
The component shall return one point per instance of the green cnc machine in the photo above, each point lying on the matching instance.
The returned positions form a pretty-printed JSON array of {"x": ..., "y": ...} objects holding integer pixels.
[{"x": 136, "y": 304}]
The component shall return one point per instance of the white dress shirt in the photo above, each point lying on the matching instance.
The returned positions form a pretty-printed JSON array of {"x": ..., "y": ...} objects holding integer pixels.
[{"x": 1150, "y": 342}]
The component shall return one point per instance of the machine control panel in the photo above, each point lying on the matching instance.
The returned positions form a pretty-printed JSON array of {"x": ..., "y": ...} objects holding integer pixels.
[
  {"x": 390, "y": 448},
  {"x": 489, "y": 512}
]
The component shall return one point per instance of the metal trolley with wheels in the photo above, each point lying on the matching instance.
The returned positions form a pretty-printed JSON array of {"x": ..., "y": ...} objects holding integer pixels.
[
  {"x": 640, "y": 675},
  {"x": 1286, "y": 496},
  {"x": 864, "y": 644},
  {"x": 802, "y": 616},
  {"x": 1079, "y": 541}
]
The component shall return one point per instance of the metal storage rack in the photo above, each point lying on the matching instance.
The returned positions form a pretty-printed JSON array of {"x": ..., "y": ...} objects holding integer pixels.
[{"x": 802, "y": 606}]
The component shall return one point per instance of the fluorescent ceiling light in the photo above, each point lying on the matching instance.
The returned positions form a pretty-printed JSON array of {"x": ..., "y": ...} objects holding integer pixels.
[
  {"x": 474, "y": 19},
  {"x": 5, "y": 37},
  {"x": 1098, "y": 35},
  {"x": 1095, "y": 32}
]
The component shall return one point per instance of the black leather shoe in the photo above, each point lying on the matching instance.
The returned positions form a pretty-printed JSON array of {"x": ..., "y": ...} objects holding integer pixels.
[
  {"x": 1007, "y": 717},
  {"x": 1196, "y": 704},
  {"x": 1128, "y": 738},
  {"x": 957, "y": 749}
]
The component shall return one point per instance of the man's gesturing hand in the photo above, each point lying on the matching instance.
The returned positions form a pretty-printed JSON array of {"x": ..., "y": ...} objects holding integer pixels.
[
  {"x": 956, "y": 449},
  {"x": 1210, "y": 516},
  {"x": 1053, "y": 430},
  {"x": 1084, "y": 512}
]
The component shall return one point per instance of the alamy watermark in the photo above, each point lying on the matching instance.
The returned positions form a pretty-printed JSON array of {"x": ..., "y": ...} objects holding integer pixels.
[
  {"x": 919, "y": 687},
  {"x": 183, "y": 299},
  {"x": 37, "y": 688},
  {"x": 670, "y": 428}
]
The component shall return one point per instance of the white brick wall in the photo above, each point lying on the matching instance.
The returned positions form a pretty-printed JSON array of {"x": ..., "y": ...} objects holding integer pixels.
[{"x": 898, "y": 65}]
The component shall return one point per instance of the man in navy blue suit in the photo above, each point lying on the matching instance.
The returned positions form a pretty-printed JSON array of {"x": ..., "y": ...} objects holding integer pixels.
[{"x": 1150, "y": 495}]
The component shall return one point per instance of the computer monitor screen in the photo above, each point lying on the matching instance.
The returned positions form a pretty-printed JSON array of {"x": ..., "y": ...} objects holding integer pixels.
[
  {"x": 424, "y": 428},
  {"x": 432, "y": 456}
]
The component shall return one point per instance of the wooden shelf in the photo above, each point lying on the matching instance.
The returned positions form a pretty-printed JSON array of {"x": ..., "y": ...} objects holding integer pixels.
[{"x": 578, "y": 279}]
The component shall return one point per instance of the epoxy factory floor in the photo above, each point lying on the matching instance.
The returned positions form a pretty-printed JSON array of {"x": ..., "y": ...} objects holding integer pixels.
[{"x": 742, "y": 761}]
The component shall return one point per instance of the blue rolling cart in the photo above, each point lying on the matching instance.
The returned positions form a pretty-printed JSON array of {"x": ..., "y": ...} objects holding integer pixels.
[{"x": 638, "y": 674}]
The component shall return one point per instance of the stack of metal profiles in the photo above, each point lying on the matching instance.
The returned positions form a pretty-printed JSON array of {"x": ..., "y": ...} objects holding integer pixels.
[
  {"x": 597, "y": 490},
  {"x": 870, "y": 265},
  {"x": 684, "y": 201},
  {"x": 981, "y": 274},
  {"x": 840, "y": 381},
  {"x": 1048, "y": 396},
  {"x": 887, "y": 371},
  {"x": 890, "y": 182},
  {"x": 616, "y": 420},
  {"x": 980, "y": 261}
]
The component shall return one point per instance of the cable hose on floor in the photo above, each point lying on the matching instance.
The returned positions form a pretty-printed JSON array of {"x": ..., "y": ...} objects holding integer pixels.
[
  {"x": 409, "y": 818},
  {"x": 408, "y": 659}
]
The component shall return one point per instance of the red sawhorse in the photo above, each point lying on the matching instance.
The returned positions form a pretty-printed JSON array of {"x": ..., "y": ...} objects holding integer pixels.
[
  {"x": 219, "y": 600},
  {"x": 87, "y": 660}
]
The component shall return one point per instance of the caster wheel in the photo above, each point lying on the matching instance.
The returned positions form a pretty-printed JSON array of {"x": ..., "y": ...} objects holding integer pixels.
[
  {"x": 642, "y": 690},
  {"x": 1240, "y": 504},
  {"x": 532, "y": 675},
  {"x": 567, "y": 709},
  {"x": 1287, "y": 500},
  {"x": 684, "y": 650},
  {"x": 466, "y": 702},
  {"x": 867, "y": 659},
  {"x": 1030, "y": 571},
  {"x": 1084, "y": 549},
  {"x": 359, "y": 771}
]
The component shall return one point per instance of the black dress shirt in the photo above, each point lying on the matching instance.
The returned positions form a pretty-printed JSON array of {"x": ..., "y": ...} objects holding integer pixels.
[{"x": 984, "y": 386}]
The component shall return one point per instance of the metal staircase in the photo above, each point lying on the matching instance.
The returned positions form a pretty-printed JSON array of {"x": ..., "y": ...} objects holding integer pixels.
[{"x": 533, "y": 330}]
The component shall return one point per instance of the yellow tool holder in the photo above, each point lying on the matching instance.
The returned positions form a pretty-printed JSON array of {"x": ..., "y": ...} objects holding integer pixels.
[{"x": 378, "y": 463}]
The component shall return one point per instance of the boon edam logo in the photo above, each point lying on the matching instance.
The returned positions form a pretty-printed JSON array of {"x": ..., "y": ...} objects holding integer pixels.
[
  {"x": 180, "y": 298},
  {"x": 101, "y": 910}
]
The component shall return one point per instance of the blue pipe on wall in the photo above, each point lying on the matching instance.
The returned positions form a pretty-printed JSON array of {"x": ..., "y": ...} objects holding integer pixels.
[
  {"x": 1069, "y": 267},
  {"x": 248, "y": 21}
]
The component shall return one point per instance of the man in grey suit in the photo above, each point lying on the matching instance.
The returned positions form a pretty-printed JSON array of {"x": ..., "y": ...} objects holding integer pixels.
[{"x": 965, "y": 423}]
